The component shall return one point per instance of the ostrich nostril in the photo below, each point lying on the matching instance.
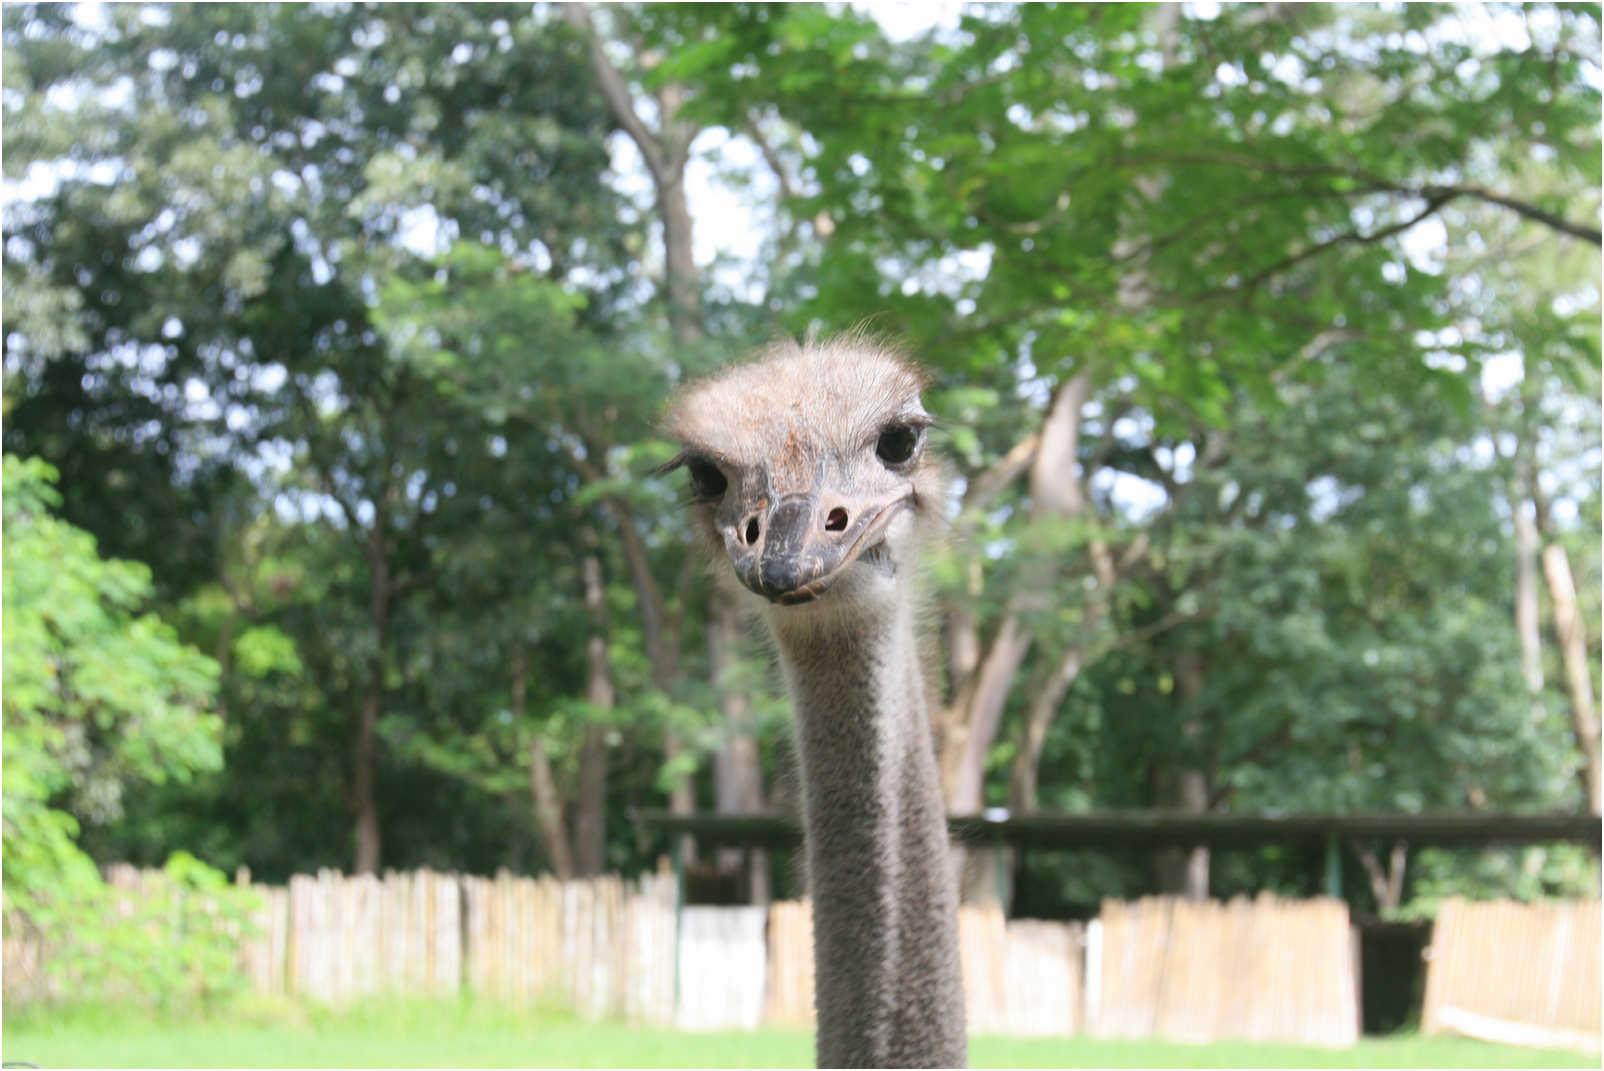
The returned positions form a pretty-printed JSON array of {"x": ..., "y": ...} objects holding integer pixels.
[
  {"x": 751, "y": 531},
  {"x": 836, "y": 521}
]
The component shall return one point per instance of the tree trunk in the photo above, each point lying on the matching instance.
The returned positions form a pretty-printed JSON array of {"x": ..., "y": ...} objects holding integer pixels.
[
  {"x": 665, "y": 151},
  {"x": 970, "y": 728},
  {"x": 1386, "y": 883},
  {"x": 1569, "y": 630},
  {"x": 963, "y": 637},
  {"x": 1528, "y": 624},
  {"x": 542, "y": 784},
  {"x": 590, "y": 807},
  {"x": 1038, "y": 719},
  {"x": 1186, "y": 871},
  {"x": 683, "y": 292},
  {"x": 549, "y": 811},
  {"x": 972, "y": 735},
  {"x": 547, "y": 802},
  {"x": 590, "y": 813},
  {"x": 1183, "y": 871},
  {"x": 662, "y": 647},
  {"x": 1573, "y": 647},
  {"x": 365, "y": 750},
  {"x": 681, "y": 284},
  {"x": 737, "y": 768},
  {"x": 368, "y": 836}
]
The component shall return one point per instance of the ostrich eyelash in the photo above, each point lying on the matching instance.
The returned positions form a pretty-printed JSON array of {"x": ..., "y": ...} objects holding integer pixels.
[
  {"x": 677, "y": 461},
  {"x": 708, "y": 481}
]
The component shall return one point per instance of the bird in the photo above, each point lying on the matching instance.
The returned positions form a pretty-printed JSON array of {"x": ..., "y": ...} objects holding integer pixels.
[{"x": 814, "y": 487}]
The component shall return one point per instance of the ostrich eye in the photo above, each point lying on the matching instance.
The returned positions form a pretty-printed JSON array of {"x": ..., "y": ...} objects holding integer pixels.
[
  {"x": 706, "y": 480},
  {"x": 897, "y": 443}
]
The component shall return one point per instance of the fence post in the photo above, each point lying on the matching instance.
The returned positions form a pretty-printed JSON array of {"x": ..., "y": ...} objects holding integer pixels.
[
  {"x": 679, "y": 911},
  {"x": 1092, "y": 1000}
]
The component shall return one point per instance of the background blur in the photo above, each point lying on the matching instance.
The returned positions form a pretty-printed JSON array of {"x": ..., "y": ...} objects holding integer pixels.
[{"x": 335, "y": 336}]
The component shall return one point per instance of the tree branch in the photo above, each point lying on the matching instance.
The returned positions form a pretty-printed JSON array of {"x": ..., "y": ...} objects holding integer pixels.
[
  {"x": 1526, "y": 209},
  {"x": 1353, "y": 237},
  {"x": 615, "y": 91},
  {"x": 1172, "y": 619},
  {"x": 771, "y": 157},
  {"x": 1005, "y": 470},
  {"x": 1446, "y": 192},
  {"x": 661, "y": 649}
]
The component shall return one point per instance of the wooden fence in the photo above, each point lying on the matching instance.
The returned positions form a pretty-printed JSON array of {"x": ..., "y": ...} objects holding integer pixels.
[
  {"x": 1256, "y": 970},
  {"x": 1263, "y": 969},
  {"x": 603, "y": 948},
  {"x": 1524, "y": 974}
]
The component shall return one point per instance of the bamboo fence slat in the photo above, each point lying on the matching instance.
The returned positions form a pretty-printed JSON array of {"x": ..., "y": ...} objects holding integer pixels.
[
  {"x": 790, "y": 977},
  {"x": 983, "y": 947}
]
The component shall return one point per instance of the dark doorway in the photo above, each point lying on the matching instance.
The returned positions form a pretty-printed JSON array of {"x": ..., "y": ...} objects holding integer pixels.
[{"x": 1392, "y": 975}]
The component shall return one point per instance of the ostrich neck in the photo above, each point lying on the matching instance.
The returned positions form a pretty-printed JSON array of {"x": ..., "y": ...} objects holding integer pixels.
[{"x": 885, "y": 905}]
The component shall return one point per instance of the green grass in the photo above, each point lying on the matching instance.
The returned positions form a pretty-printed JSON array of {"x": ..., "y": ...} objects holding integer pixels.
[{"x": 467, "y": 1035}]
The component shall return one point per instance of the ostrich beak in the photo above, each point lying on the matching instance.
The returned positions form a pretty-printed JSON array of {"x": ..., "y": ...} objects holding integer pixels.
[{"x": 793, "y": 550}]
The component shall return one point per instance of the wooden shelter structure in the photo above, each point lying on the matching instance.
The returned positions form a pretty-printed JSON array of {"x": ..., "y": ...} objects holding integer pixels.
[
  {"x": 1166, "y": 829},
  {"x": 1157, "y": 829}
]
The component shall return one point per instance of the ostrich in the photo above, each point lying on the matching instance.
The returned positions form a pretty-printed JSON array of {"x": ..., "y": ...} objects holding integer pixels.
[{"x": 811, "y": 478}]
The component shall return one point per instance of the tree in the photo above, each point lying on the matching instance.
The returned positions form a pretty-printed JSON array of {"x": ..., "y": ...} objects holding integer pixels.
[
  {"x": 99, "y": 693},
  {"x": 100, "y": 697},
  {"x": 260, "y": 206}
]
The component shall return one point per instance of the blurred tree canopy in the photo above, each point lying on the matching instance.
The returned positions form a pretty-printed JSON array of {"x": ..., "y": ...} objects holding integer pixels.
[{"x": 1265, "y": 343}]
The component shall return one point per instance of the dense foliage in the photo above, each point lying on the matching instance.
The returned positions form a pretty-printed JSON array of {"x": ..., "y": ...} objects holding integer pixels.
[
  {"x": 101, "y": 698},
  {"x": 1265, "y": 345}
]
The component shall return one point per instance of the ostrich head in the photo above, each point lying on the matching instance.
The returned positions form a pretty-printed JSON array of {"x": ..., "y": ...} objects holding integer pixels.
[{"x": 810, "y": 473}]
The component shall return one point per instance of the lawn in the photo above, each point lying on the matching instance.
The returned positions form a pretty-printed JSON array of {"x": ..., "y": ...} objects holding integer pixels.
[{"x": 463, "y": 1035}]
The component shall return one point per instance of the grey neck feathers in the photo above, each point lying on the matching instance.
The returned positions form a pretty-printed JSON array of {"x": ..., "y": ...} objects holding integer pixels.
[{"x": 885, "y": 905}]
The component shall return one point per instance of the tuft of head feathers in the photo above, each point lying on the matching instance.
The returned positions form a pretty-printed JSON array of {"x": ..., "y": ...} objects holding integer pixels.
[{"x": 790, "y": 401}]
